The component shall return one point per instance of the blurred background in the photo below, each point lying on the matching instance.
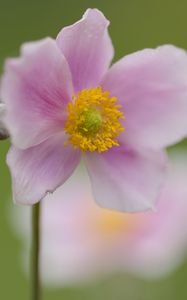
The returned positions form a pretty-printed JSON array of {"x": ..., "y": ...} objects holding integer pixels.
[{"x": 135, "y": 24}]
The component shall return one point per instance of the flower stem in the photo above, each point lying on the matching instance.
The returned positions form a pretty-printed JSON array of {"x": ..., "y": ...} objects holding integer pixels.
[{"x": 35, "y": 279}]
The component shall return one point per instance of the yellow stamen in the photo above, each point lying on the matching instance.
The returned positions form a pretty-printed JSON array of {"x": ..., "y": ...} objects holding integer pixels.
[
  {"x": 93, "y": 121},
  {"x": 108, "y": 222}
]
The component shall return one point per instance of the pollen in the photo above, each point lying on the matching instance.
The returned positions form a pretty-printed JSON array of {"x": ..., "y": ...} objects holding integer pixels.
[{"x": 93, "y": 120}]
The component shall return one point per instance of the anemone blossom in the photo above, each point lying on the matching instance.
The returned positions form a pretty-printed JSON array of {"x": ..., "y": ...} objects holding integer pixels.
[{"x": 64, "y": 102}]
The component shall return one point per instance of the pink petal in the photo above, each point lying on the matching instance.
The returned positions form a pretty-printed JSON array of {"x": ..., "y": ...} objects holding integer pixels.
[
  {"x": 160, "y": 242},
  {"x": 87, "y": 48},
  {"x": 36, "y": 89},
  {"x": 41, "y": 169},
  {"x": 125, "y": 179},
  {"x": 152, "y": 86}
]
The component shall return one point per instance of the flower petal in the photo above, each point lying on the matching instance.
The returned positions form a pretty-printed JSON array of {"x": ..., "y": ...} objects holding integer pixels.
[
  {"x": 159, "y": 244},
  {"x": 152, "y": 86},
  {"x": 36, "y": 89},
  {"x": 87, "y": 48},
  {"x": 125, "y": 179},
  {"x": 41, "y": 169}
]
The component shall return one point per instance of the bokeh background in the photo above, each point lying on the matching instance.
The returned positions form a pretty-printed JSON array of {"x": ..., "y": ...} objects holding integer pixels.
[{"x": 135, "y": 24}]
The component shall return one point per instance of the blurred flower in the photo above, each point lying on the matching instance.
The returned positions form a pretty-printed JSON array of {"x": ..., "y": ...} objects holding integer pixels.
[
  {"x": 62, "y": 102},
  {"x": 81, "y": 241}
]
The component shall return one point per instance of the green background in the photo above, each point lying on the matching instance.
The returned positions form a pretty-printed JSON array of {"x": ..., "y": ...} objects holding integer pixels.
[{"x": 135, "y": 24}]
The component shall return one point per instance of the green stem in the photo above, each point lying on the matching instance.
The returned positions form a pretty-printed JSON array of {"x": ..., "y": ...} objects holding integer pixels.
[{"x": 35, "y": 278}]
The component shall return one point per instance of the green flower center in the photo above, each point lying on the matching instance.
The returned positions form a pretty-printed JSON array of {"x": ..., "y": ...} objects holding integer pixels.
[{"x": 91, "y": 121}]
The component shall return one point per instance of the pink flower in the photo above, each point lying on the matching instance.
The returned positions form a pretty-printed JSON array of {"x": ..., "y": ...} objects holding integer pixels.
[
  {"x": 63, "y": 103},
  {"x": 81, "y": 240}
]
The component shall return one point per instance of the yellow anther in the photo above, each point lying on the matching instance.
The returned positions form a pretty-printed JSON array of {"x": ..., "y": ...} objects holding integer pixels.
[{"x": 93, "y": 121}]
